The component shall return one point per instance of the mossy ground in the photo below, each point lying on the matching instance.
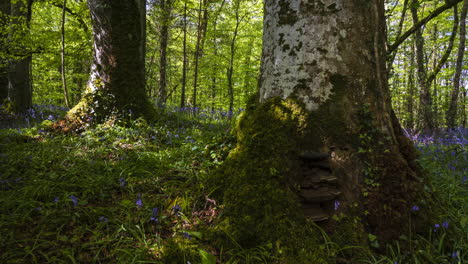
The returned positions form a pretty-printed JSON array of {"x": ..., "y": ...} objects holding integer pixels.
[{"x": 171, "y": 163}]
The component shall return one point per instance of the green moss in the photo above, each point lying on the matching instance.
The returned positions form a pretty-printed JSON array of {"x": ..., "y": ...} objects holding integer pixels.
[
  {"x": 261, "y": 205},
  {"x": 99, "y": 106}
]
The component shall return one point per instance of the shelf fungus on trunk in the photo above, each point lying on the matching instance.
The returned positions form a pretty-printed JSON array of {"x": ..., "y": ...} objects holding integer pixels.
[{"x": 318, "y": 186}]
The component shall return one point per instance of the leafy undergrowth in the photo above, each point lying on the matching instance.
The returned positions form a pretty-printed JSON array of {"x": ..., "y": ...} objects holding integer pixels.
[{"x": 137, "y": 194}]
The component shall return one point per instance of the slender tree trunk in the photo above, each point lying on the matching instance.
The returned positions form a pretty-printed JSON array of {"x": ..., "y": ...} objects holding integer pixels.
[
  {"x": 166, "y": 7},
  {"x": 19, "y": 72},
  {"x": 411, "y": 92},
  {"x": 116, "y": 87},
  {"x": 452, "y": 111},
  {"x": 392, "y": 55},
  {"x": 62, "y": 56},
  {"x": 230, "y": 70},
  {"x": 425, "y": 99},
  {"x": 202, "y": 24},
  {"x": 464, "y": 108},
  {"x": 184, "y": 66},
  {"x": 214, "y": 69}
]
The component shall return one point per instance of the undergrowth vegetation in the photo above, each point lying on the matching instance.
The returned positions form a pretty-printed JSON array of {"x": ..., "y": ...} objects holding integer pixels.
[{"x": 138, "y": 194}]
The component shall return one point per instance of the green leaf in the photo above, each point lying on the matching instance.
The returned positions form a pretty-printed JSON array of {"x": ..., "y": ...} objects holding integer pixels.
[{"x": 207, "y": 258}]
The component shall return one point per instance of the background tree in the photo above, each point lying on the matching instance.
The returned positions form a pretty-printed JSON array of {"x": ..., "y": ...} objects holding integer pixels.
[
  {"x": 19, "y": 68},
  {"x": 4, "y": 22},
  {"x": 452, "y": 111},
  {"x": 116, "y": 85}
]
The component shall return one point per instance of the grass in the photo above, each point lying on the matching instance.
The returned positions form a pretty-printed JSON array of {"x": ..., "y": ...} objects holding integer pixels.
[{"x": 137, "y": 194}]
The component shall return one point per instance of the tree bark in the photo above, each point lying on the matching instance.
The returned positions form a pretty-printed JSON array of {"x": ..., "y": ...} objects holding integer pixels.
[
  {"x": 19, "y": 71},
  {"x": 425, "y": 99},
  {"x": 62, "y": 56},
  {"x": 184, "y": 63},
  {"x": 322, "y": 135},
  {"x": 452, "y": 111},
  {"x": 230, "y": 70},
  {"x": 201, "y": 28},
  {"x": 116, "y": 87},
  {"x": 166, "y": 7},
  {"x": 5, "y": 9}
]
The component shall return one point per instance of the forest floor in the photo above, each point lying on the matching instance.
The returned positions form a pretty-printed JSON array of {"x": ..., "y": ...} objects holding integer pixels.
[{"x": 138, "y": 194}]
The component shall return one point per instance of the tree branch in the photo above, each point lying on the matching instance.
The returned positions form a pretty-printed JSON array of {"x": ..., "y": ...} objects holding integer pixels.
[
  {"x": 72, "y": 13},
  {"x": 448, "y": 4},
  {"x": 448, "y": 50}
]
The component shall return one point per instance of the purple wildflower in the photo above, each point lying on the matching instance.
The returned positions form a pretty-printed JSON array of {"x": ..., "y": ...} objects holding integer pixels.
[
  {"x": 436, "y": 226},
  {"x": 56, "y": 200},
  {"x": 415, "y": 208},
  {"x": 139, "y": 203},
  {"x": 337, "y": 205},
  {"x": 187, "y": 235},
  {"x": 176, "y": 209},
  {"x": 154, "y": 217},
  {"x": 103, "y": 219},
  {"x": 74, "y": 200},
  {"x": 445, "y": 224},
  {"x": 123, "y": 183},
  {"x": 455, "y": 255}
]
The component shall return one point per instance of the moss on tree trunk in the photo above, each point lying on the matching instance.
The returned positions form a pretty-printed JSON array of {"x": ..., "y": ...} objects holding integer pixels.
[
  {"x": 116, "y": 88},
  {"x": 262, "y": 181}
]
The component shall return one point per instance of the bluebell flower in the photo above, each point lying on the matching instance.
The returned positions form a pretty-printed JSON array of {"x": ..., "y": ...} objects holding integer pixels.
[
  {"x": 445, "y": 224},
  {"x": 56, "y": 200},
  {"x": 123, "y": 183},
  {"x": 187, "y": 235},
  {"x": 337, "y": 205},
  {"x": 176, "y": 209},
  {"x": 415, "y": 208},
  {"x": 154, "y": 217},
  {"x": 74, "y": 200},
  {"x": 455, "y": 254},
  {"x": 50, "y": 117},
  {"x": 436, "y": 226},
  {"x": 103, "y": 219},
  {"x": 139, "y": 203}
]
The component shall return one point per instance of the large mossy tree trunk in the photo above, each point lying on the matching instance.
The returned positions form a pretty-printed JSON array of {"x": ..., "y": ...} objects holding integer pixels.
[
  {"x": 321, "y": 138},
  {"x": 116, "y": 87}
]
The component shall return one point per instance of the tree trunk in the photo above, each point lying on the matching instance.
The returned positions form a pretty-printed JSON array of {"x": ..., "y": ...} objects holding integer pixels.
[
  {"x": 230, "y": 70},
  {"x": 19, "y": 75},
  {"x": 5, "y": 9},
  {"x": 184, "y": 66},
  {"x": 322, "y": 135},
  {"x": 116, "y": 87},
  {"x": 62, "y": 56},
  {"x": 452, "y": 111},
  {"x": 425, "y": 99},
  {"x": 166, "y": 7},
  {"x": 202, "y": 18}
]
